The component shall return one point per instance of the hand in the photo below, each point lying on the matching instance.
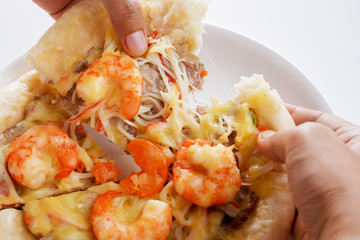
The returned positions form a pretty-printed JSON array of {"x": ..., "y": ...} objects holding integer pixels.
[
  {"x": 322, "y": 157},
  {"x": 126, "y": 16}
]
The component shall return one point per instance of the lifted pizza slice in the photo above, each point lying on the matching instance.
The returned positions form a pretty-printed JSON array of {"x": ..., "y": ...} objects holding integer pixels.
[{"x": 118, "y": 95}]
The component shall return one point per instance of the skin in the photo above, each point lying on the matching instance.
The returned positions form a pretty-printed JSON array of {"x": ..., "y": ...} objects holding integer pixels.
[
  {"x": 126, "y": 16},
  {"x": 322, "y": 157}
]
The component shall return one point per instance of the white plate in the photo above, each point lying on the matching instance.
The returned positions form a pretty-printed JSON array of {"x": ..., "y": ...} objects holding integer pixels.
[{"x": 227, "y": 56}]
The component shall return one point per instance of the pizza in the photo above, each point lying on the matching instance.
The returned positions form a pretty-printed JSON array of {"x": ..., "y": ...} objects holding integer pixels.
[
  {"x": 201, "y": 174},
  {"x": 37, "y": 153}
]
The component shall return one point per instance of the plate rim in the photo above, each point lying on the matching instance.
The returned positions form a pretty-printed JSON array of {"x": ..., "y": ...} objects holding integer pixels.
[{"x": 325, "y": 107}]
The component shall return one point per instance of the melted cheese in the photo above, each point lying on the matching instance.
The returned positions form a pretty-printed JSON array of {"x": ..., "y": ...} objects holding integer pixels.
[
  {"x": 169, "y": 132},
  {"x": 66, "y": 216},
  {"x": 246, "y": 132},
  {"x": 128, "y": 208},
  {"x": 47, "y": 109}
]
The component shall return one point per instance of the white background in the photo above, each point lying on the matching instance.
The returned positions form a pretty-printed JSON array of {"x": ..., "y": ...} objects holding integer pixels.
[{"x": 321, "y": 38}]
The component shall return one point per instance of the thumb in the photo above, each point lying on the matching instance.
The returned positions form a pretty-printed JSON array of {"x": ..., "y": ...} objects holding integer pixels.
[
  {"x": 272, "y": 146},
  {"x": 129, "y": 25}
]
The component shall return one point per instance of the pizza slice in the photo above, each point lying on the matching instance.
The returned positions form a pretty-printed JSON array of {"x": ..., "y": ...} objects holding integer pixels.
[
  {"x": 37, "y": 156},
  {"x": 115, "y": 94}
]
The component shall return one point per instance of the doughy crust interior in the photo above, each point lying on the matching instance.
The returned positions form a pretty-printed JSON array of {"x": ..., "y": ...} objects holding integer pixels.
[
  {"x": 12, "y": 225},
  {"x": 15, "y": 96}
]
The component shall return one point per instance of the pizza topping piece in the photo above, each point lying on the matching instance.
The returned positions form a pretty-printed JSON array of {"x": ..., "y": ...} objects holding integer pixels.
[
  {"x": 105, "y": 171},
  {"x": 115, "y": 216},
  {"x": 206, "y": 175},
  {"x": 65, "y": 216},
  {"x": 4, "y": 189},
  {"x": 154, "y": 167},
  {"x": 240, "y": 209},
  {"x": 115, "y": 79},
  {"x": 42, "y": 153},
  {"x": 195, "y": 72},
  {"x": 40, "y": 110}
]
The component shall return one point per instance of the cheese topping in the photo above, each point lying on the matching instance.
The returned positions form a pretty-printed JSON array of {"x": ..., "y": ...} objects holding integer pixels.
[{"x": 66, "y": 216}]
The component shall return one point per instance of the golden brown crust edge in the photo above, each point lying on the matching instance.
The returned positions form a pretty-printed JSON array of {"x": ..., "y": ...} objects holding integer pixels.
[
  {"x": 15, "y": 96},
  {"x": 12, "y": 225},
  {"x": 86, "y": 24},
  {"x": 273, "y": 216},
  {"x": 79, "y": 29},
  {"x": 13, "y": 101}
]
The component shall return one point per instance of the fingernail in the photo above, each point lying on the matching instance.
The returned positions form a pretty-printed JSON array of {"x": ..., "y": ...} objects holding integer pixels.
[
  {"x": 136, "y": 43},
  {"x": 265, "y": 134}
]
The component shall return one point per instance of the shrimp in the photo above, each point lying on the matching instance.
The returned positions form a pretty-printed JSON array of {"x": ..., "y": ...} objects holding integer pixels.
[
  {"x": 117, "y": 217},
  {"x": 206, "y": 175},
  {"x": 115, "y": 79},
  {"x": 154, "y": 167},
  {"x": 40, "y": 154}
]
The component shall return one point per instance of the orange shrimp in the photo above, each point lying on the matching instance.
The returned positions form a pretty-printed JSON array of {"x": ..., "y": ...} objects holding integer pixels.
[
  {"x": 40, "y": 154},
  {"x": 154, "y": 167},
  {"x": 206, "y": 175},
  {"x": 115, "y": 216},
  {"x": 115, "y": 79}
]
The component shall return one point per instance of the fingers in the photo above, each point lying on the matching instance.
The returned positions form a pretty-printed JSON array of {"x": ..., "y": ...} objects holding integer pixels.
[
  {"x": 271, "y": 146},
  {"x": 126, "y": 16},
  {"x": 129, "y": 24},
  {"x": 55, "y": 8},
  {"x": 302, "y": 115},
  {"x": 320, "y": 167},
  {"x": 281, "y": 146},
  {"x": 346, "y": 131},
  {"x": 299, "y": 229}
]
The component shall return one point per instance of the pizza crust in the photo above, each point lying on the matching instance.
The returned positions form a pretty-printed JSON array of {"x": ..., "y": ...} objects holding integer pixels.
[
  {"x": 12, "y": 225},
  {"x": 83, "y": 26},
  {"x": 13, "y": 101},
  {"x": 8, "y": 193},
  {"x": 86, "y": 24},
  {"x": 15, "y": 96},
  {"x": 274, "y": 214},
  {"x": 178, "y": 19},
  {"x": 267, "y": 103}
]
